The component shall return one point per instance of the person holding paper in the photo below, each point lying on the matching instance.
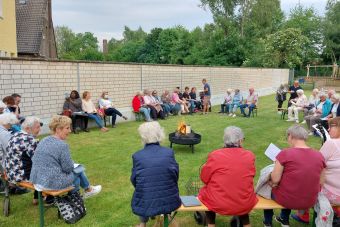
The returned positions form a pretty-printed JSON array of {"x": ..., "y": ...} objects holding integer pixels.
[
  {"x": 228, "y": 177},
  {"x": 295, "y": 180},
  {"x": 330, "y": 179},
  {"x": 154, "y": 176},
  {"x": 334, "y": 112},
  {"x": 53, "y": 168},
  {"x": 298, "y": 104},
  {"x": 322, "y": 109}
]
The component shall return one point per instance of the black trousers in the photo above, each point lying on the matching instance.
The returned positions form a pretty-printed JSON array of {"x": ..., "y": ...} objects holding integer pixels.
[
  {"x": 279, "y": 106},
  {"x": 82, "y": 118},
  {"x": 113, "y": 113}
]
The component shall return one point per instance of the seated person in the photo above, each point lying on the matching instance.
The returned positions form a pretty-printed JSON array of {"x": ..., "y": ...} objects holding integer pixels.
[
  {"x": 20, "y": 150},
  {"x": 290, "y": 187},
  {"x": 334, "y": 112},
  {"x": 184, "y": 104},
  {"x": 312, "y": 103},
  {"x": 11, "y": 107},
  {"x": 53, "y": 168},
  {"x": 298, "y": 104},
  {"x": 281, "y": 94},
  {"x": 91, "y": 111},
  {"x": 73, "y": 108},
  {"x": 250, "y": 102},
  {"x": 156, "y": 110},
  {"x": 166, "y": 108},
  {"x": 193, "y": 96},
  {"x": 330, "y": 150},
  {"x": 166, "y": 99},
  {"x": 188, "y": 100},
  {"x": 138, "y": 105},
  {"x": 176, "y": 102},
  {"x": 155, "y": 179},
  {"x": 6, "y": 122},
  {"x": 237, "y": 101},
  {"x": 226, "y": 105},
  {"x": 109, "y": 110},
  {"x": 228, "y": 177},
  {"x": 322, "y": 110}
]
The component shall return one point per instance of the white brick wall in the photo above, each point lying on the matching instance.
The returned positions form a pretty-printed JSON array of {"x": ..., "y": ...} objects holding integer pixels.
[{"x": 43, "y": 84}]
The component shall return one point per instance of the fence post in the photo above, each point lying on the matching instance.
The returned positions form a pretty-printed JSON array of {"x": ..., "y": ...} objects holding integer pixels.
[{"x": 78, "y": 77}]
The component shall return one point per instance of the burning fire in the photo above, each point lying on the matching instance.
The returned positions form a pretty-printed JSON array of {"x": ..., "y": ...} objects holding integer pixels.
[{"x": 181, "y": 127}]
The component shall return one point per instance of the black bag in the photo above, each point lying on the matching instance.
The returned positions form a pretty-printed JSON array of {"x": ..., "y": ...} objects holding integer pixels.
[{"x": 71, "y": 207}]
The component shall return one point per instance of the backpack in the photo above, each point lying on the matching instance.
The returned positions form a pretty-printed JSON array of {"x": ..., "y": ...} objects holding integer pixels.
[{"x": 71, "y": 207}]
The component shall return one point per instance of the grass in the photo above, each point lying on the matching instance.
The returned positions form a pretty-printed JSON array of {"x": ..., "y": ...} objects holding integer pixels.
[{"x": 107, "y": 158}]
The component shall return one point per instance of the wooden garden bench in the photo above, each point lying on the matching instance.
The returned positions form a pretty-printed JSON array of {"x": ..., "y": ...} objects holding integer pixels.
[{"x": 54, "y": 193}]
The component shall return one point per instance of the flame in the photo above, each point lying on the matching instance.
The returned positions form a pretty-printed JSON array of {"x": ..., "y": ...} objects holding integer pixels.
[{"x": 181, "y": 127}]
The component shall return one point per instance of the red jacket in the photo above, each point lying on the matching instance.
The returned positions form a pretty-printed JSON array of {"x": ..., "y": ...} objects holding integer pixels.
[
  {"x": 136, "y": 103},
  {"x": 228, "y": 176}
]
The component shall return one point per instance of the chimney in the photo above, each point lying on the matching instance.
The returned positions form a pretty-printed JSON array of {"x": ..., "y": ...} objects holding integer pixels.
[{"x": 105, "y": 49}]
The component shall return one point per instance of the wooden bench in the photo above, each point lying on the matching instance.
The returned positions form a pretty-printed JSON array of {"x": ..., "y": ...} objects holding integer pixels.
[
  {"x": 262, "y": 204},
  {"x": 54, "y": 193}
]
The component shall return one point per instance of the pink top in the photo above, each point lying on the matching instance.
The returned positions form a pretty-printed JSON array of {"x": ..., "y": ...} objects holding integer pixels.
[
  {"x": 252, "y": 98},
  {"x": 148, "y": 100},
  {"x": 331, "y": 152},
  {"x": 174, "y": 98}
]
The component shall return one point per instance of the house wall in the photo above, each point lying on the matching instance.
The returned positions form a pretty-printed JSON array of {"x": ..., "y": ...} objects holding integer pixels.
[
  {"x": 8, "y": 37},
  {"x": 43, "y": 84}
]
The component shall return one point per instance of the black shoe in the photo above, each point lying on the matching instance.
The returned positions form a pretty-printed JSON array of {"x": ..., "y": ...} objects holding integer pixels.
[
  {"x": 86, "y": 130},
  {"x": 267, "y": 225},
  {"x": 282, "y": 222}
]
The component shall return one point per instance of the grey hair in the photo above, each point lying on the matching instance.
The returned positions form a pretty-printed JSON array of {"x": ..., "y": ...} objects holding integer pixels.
[
  {"x": 232, "y": 136},
  {"x": 30, "y": 121},
  {"x": 322, "y": 94},
  {"x": 297, "y": 132},
  {"x": 316, "y": 90},
  {"x": 300, "y": 91},
  {"x": 8, "y": 118},
  {"x": 336, "y": 97},
  {"x": 151, "y": 132}
]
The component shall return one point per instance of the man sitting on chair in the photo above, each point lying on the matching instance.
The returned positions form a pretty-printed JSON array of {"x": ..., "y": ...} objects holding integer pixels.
[{"x": 250, "y": 102}]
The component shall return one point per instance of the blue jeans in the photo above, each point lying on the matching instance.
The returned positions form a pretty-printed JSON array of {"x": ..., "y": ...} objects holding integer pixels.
[
  {"x": 233, "y": 107},
  {"x": 176, "y": 109},
  {"x": 166, "y": 108},
  {"x": 268, "y": 214},
  {"x": 97, "y": 119},
  {"x": 80, "y": 180},
  {"x": 146, "y": 112},
  {"x": 250, "y": 107},
  {"x": 225, "y": 108},
  {"x": 192, "y": 105}
]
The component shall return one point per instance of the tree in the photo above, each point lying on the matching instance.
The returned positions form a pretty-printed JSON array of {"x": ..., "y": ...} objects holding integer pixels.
[
  {"x": 65, "y": 40},
  {"x": 309, "y": 23},
  {"x": 332, "y": 31},
  {"x": 285, "y": 48}
]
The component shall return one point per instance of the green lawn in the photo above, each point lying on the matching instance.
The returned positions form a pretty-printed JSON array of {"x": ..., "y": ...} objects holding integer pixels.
[{"x": 107, "y": 157}]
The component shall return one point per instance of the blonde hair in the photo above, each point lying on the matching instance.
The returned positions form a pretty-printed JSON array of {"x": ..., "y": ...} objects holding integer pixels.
[
  {"x": 103, "y": 94},
  {"x": 59, "y": 121},
  {"x": 85, "y": 94}
]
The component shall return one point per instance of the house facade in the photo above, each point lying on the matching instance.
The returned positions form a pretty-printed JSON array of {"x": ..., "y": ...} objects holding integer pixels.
[{"x": 8, "y": 37}]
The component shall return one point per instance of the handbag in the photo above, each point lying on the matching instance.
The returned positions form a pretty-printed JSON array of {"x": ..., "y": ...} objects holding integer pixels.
[
  {"x": 67, "y": 113},
  {"x": 71, "y": 207},
  {"x": 101, "y": 112}
]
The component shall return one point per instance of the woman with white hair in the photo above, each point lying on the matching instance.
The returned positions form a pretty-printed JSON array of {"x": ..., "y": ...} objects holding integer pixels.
[
  {"x": 322, "y": 110},
  {"x": 21, "y": 148},
  {"x": 154, "y": 176},
  {"x": 226, "y": 105},
  {"x": 297, "y": 104},
  {"x": 312, "y": 103},
  {"x": 139, "y": 106},
  {"x": 6, "y": 122},
  {"x": 334, "y": 112},
  {"x": 295, "y": 179},
  {"x": 228, "y": 177}
]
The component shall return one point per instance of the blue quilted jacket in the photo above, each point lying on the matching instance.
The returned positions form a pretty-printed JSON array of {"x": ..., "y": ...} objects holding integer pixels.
[{"x": 154, "y": 176}]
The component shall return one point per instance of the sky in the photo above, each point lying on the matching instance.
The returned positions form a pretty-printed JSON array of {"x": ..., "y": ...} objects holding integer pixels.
[{"x": 107, "y": 18}]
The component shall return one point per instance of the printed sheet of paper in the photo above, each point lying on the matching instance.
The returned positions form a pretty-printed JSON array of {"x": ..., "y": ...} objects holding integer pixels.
[{"x": 272, "y": 151}]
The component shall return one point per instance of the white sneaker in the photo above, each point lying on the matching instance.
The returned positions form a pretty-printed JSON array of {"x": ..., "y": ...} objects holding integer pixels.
[
  {"x": 230, "y": 114},
  {"x": 94, "y": 191},
  {"x": 290, "y": 119},
  {"x": 297, "y": 121},
  {"x": 311, "y": 134},
  {"x": 279, "y": 112},
  {"x": 303, "y": 122},
  {"x": 234, "y": 115}
]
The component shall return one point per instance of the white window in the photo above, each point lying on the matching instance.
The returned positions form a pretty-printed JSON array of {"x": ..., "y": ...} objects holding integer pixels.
[{"x": 1, "y": 16}]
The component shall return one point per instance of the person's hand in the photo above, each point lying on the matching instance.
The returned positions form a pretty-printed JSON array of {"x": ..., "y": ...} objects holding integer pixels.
[{"x": 271, "y": 184}]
